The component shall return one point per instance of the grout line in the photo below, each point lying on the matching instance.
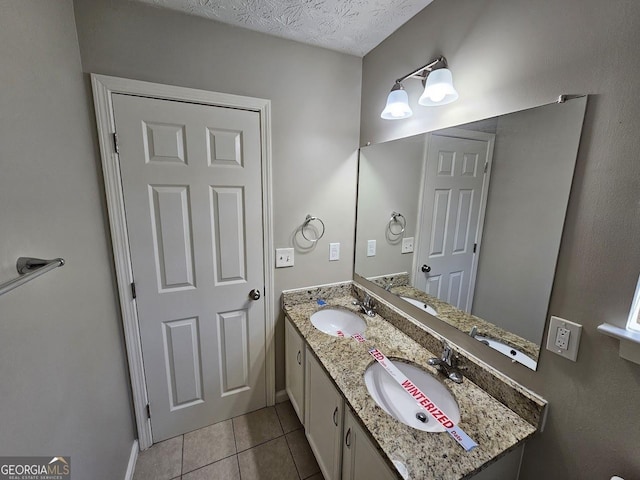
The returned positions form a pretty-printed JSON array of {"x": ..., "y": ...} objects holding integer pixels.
[
  {"x": 278, "y": 417},
  {"x": 262, "y": 443},
  {"x": 182, "y": 457},
  {"x": 210, "y": 463},
  {"x": 292, "y": 457},
  {"x": 233, "y": 430},
  {"x": 238, "y": 462}
]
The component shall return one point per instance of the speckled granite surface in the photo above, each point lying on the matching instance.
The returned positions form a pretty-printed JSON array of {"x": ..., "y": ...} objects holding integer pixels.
[
  {"x": 495, "y": 428},
  {"x": 391, "y": 280},
  {"x": 465, "y": 322},
  {"x": 516, "y": 397}
]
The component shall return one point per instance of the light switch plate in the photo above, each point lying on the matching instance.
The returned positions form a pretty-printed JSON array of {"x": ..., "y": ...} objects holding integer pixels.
[
  {"x": 407, "y": 245},
  {"x": 371, "y": 248},
  {"x": 334, "y": 252},
  {"x": 563, "y": 337},
  {"x": 284, "y": 257}
]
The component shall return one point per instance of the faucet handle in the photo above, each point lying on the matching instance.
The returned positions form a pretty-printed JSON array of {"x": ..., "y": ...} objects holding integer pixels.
[{"x": 447, "y": 353}]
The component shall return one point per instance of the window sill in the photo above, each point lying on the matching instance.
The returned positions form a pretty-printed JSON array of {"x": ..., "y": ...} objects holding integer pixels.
[{"x": 629, "y": 341}]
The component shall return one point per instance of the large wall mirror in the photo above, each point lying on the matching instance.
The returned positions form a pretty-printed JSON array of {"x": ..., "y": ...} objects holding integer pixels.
[{"x": 465, "y": 223}]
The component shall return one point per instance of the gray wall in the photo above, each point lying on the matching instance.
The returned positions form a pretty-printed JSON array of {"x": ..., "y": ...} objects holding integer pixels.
[
  {"x": 63, "y": 373},
  {"x": 389, "y": 180},
  {"x": 533, "y": 163},
  {"x": 315, "y": 95},
  {"x": 508, "y": 55}
]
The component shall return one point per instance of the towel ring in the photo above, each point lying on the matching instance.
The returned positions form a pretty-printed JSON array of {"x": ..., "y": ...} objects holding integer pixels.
[
  {"x": 399, "y": 219},
  {"x": 306, "y": 223}
]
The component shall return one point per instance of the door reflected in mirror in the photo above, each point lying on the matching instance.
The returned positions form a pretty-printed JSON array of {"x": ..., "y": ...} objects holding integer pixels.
[{"x": 466, "y": 222}]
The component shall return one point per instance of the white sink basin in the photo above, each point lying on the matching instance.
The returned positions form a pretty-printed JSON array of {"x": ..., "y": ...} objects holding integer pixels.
[
  {"x": 421, "y": 305},
  {"x": 334, "y": 320},
  {"x": 391, "y": 397},
  {"x": 510, "y": 352}
]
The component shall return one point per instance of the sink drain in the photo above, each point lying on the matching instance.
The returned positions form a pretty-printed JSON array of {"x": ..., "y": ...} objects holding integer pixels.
[{"x": 422, "y": 417}]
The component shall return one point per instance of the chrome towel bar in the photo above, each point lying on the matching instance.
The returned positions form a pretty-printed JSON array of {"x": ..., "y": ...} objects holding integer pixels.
[{"x": 30, "y": 268}]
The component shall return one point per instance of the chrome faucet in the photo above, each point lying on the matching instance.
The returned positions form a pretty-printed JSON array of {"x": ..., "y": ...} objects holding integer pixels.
[
  {"x": 474, "y": 333},
  {"x": 389, "y": 285},
  {"x": 447, "y": 363},
  {"x": 366, "y": 305}
]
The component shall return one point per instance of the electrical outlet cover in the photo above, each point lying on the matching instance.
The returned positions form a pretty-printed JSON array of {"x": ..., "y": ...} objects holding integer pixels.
[{"x": 563, "y": 337}]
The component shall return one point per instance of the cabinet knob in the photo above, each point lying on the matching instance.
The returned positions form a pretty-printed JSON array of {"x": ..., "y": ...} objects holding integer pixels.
[
  {"x": 299, "y": 358},
  {"x": 335, "y": 417},
  {"x": 347, "y": 438}
]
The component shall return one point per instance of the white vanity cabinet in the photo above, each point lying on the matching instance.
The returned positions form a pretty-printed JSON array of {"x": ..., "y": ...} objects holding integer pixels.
[
  {"x": 294, "y": 347},
  {"x": 360, "y": 458},
  {"x": 323, "y": 415}
]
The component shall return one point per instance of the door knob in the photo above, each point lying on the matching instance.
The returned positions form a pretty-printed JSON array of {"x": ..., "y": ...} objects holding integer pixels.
[
  {"x": 426, "y": 268},
  {"x": 254, "y": 294}
]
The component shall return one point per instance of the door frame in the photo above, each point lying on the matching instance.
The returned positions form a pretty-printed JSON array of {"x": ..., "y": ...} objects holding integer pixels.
[
  {"x": 490, "y": 138},
  {"x": 104, "y": 87}
]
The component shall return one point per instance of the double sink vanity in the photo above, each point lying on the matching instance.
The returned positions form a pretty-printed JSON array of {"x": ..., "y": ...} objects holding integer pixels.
[
  {"x": 457, "y": 237},
  {"x": 361, "y": 424}
]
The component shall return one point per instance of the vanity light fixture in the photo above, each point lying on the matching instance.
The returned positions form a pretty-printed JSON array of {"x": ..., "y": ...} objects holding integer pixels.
[
  {"x": 438, "y": 90},
  {"x": 397, "y": 104}
]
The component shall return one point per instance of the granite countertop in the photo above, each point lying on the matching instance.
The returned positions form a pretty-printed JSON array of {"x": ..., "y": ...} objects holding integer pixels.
[
  {"x": 495, "y": 428},
  {"x": 465, "y": 322}
]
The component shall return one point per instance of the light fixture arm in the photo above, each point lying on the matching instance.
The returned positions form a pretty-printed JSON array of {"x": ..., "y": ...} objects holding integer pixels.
[{"x": 422, "y": 72}]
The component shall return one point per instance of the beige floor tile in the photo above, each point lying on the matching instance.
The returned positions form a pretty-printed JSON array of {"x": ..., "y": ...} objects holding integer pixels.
[
  {"x": 226, "y": 469},
  {"x": 302, "y": 454},
  {"x": 317, "y": 476},
  {"x": 269, "y": 461},
  {"x": 208, "y": 445},
  {"x": 162, "y": 461},
  {"x": 256, "y": 427},
  {"x": 288, "y": 417}
]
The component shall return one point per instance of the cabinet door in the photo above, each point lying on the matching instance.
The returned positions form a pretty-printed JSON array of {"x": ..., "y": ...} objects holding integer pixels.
[
  {"x": 294, "y": 368},
  {"x": 360, "y": 458},
  {"x": 323, "y": 418}
]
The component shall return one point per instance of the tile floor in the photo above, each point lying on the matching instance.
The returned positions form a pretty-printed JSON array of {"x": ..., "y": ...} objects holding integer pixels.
[{"x": 262, "y": 445}]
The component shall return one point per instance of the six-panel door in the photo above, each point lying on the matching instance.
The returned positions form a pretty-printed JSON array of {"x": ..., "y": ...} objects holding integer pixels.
[
  {"x": 192, "y": 184},
  {"x": 452, "y": 199}
]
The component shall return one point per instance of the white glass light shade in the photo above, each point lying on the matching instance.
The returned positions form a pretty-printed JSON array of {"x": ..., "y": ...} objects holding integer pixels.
[
  {"x": 439, "y": 89},
  {"x": 397, "y": 105}
]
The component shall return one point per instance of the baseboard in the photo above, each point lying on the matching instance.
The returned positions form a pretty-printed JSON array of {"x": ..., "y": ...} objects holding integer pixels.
[
  {"x": 133, "y": 458},
  {"x": 281, "y": 396}
]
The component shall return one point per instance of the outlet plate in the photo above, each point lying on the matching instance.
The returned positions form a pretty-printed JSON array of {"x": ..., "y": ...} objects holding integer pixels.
[
  {"x": 371, "y": 248},
  {"x": 284, "y": 257},
  {"x": 563, "y": 337},
  {"x": 334, "y": 252},
  {"x": 407, "y": 245}
]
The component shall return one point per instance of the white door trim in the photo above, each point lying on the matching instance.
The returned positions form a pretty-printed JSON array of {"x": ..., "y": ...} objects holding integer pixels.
[{"x": 103, "y": 88}]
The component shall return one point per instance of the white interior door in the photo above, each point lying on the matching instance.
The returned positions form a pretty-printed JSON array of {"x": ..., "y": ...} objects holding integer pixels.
[
  {"x": 454, "y": 198},
  {"x": 191, "y": 178}
]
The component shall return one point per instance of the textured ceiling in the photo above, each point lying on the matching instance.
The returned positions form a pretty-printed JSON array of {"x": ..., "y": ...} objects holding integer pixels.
[{"x": 350, "y": 26}]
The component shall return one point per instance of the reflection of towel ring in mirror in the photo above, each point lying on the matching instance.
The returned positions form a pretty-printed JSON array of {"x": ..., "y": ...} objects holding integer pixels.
[
  {"x": 306, "y": 223},
  {"x": 397, "y": 218}
]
